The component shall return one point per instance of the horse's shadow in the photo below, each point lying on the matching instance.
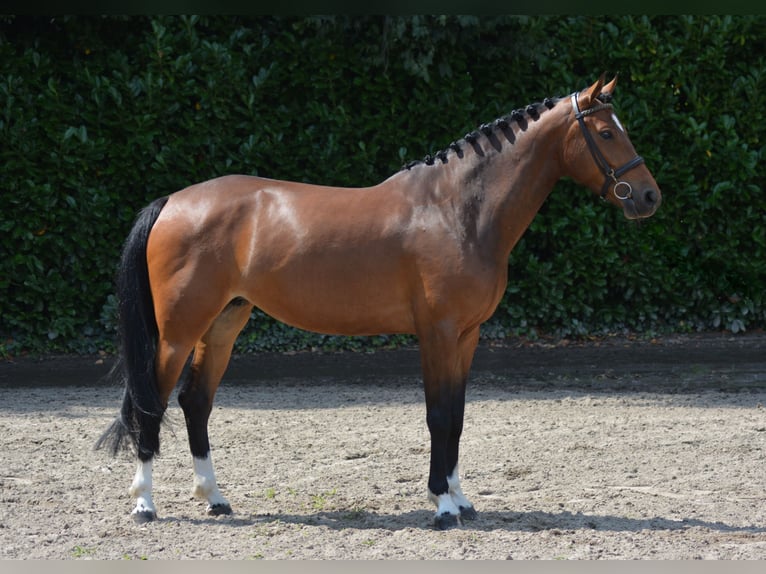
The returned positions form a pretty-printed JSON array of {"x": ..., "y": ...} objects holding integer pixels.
[{"x": 534, "y": 521}]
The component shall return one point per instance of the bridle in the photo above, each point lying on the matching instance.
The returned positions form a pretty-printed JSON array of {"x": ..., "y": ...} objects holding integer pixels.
[{"x": 610, "y": 174}]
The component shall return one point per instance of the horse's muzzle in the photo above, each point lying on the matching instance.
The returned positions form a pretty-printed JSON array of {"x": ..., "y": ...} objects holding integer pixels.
[{"x": 642, "y": 204}]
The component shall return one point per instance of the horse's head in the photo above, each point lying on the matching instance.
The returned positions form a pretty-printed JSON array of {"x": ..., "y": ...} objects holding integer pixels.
[{"x": 598, "y": 154}]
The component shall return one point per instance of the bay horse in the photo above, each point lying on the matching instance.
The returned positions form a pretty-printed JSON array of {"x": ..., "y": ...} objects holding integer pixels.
[{"x": 424, "y": 252}]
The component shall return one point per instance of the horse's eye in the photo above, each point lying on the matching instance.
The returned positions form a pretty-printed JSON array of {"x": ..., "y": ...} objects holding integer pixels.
[{"x": 606, "y": 134}]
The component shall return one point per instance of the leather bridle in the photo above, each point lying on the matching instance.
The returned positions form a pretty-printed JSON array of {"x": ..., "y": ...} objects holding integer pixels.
[{"x": 610, "y": 174}]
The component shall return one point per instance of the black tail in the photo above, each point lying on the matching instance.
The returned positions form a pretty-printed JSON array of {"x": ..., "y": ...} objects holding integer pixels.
[{"x": 139, "y": 421}]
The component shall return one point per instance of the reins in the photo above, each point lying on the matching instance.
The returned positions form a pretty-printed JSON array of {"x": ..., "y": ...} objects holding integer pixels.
[{"x": 610, "y": 174}]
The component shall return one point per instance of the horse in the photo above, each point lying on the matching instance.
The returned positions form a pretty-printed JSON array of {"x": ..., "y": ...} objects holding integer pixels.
[{"x": 424, "y": 252}]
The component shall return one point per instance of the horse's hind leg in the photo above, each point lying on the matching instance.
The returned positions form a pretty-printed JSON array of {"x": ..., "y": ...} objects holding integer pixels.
[
  {"x": 211, "y": 357},
  {"x": 169, "y": 364}
]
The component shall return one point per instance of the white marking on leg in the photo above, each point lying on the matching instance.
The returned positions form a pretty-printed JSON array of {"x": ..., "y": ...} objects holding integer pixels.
[
  {"x": 141, "y": 489},
  {"x": 444, "y": 504},
  {"x": 456, "y": 493},
  {"x": 205, "y": 485}
]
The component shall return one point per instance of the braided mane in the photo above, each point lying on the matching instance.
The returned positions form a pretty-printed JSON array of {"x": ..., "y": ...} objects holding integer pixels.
[{"x": 502, "y": 123}]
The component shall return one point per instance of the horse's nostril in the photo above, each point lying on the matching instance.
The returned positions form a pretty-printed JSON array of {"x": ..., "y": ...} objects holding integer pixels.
[{"x": 650, "y": 196}]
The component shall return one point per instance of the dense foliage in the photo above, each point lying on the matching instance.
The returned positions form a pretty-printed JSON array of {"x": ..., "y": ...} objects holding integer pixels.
[{"x": 99, "y": 115}]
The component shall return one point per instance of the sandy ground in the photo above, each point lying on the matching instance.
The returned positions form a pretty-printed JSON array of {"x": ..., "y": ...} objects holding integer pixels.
[{"x": 600, "y": 451}]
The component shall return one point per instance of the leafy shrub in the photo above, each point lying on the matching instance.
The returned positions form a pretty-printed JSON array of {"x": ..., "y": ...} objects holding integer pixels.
[{"x": 99, "y": 115}]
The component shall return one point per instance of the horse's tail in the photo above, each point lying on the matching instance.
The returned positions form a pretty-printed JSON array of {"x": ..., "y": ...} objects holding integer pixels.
[{"x": 141, "y": 413}]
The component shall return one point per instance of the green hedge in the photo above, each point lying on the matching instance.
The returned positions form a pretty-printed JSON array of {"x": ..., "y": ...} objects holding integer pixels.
[{"x": 99, "y": 115}]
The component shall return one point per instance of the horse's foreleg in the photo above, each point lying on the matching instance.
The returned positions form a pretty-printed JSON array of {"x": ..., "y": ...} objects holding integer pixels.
[
  {"x": 211, "y": 357},
  {"x": 446, "y": 361},
  {"x": 466, "y": 349}
]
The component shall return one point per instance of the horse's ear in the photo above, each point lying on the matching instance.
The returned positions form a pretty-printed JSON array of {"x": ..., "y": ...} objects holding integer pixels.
[
  {"x": 608, "y": 90},
  {"x": 589, "y": 95}
]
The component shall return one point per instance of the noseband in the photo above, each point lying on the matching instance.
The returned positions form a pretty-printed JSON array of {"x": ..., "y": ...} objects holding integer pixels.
[{"x": 610, "y": 174}]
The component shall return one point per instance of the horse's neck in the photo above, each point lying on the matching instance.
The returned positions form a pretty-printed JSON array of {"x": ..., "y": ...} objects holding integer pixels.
[{"x": 512, "y": 182}]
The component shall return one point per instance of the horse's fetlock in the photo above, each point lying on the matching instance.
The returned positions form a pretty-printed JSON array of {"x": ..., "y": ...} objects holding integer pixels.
[{"x": 202, "y": 487}]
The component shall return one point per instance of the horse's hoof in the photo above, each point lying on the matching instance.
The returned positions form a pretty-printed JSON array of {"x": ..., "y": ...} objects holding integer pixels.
[
  {"x": 468, "y": 513},
  {"x": 445, "y": 521},
  {"x": 144, "y": 516},
  {"x": 218, "y": 509}
]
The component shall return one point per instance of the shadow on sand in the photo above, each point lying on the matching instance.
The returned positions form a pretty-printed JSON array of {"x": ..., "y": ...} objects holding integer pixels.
[{"x": 534, "y": 521}]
